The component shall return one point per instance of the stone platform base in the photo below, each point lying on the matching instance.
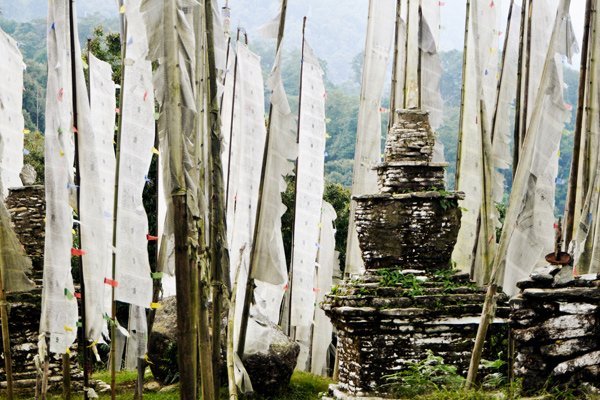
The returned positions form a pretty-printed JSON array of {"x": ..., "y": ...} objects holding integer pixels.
[{"x": 389, "y": 319}]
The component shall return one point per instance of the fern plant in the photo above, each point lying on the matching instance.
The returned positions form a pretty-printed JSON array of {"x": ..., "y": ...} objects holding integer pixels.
[{"x": 425, "y": 376}]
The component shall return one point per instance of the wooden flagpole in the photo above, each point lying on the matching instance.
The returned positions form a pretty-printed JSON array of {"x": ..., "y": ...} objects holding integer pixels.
[
  {"x": 186, "y": 330},
  {"x": 205, "y": 366},
  {"x": 113, "y": 317},
  {"x": 289, "y": 293},
  {"x": 462, "y": 95},
  {"x": 229, "y": 150},
  {"x": 405, "y": 89},
  {"x": 488, "y": 308},
  {"x": 420, "y": 60},
  {"x": 253, "y": 252},
  {"x": 525, "y": 116},
  {"x": 219, "y": 255},
  {"x": 578, "y": 133},
  {"x": 393, "y": 91},
  {"x": 81, "y": 331},
  {"x": 201, "y": 267},
  {"x": 5, "y": 335},
  {"x": 491, "y": 133},
  {"x": 519, "y": 99},
  {"x": 502, "y": 69},
  {"x": 231, "y": 384}
]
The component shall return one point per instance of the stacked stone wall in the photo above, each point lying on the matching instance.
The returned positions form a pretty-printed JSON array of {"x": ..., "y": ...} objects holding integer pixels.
[
  {"x": 27, "y": 208},
  {"x": 410, "y": 177},
  {"x": 417, "y": 229},
  {"x": 411, "y": 138},
  {"x": 555, "y": 322}
]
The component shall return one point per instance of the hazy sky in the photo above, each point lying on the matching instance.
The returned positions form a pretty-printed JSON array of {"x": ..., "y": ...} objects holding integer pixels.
[
  {"x": 453, "y": 19},
  {"x": 354, "y": 12}
]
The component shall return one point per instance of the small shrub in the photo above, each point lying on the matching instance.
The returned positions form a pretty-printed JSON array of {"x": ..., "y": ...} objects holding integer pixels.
[
  {"x": 426, "y": 376},
  {"x": 409, "y": 282}
]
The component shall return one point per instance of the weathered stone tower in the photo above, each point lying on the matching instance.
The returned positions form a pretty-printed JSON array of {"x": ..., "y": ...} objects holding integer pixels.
[{"x": 410, "y": 299}]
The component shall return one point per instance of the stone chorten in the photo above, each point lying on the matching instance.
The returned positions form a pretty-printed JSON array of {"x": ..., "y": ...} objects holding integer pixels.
[{"x": 410, "y": 299}]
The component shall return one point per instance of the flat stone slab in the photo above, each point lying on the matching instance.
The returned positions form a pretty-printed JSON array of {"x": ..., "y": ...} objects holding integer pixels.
[
  {"x": 433, "y": 194},
  {"x": 566, "y": 348},
  {"x": 563, "y": 327},
  {"x": 570, "y": 366},
  {"x": 564, "y": 294},
  {"x": 409, "y": 163}
]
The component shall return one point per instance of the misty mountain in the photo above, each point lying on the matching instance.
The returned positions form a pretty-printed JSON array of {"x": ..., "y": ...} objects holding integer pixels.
[
  {"x": 27, "y": 10},
  {"x": 335, "y": 30}
]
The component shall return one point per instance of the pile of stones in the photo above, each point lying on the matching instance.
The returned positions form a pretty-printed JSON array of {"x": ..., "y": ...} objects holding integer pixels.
[{"x": 555, "y": 322}]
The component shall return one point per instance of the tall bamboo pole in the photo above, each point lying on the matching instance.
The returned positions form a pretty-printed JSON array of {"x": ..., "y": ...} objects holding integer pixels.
[
  {"x": 395, "y": 61},
  {"x": 231, "y": 385},
  {"x": 232, "y": 120},
  {"x": 489, "y": 302},
  {"x": 219, "y": 255},
  {"x": 591, "y": 95},
  {"x": 77, "y": 181},
  {"x": 525, "y": 115},
  {"x": 492, "y": 130},
  {"x": 405, "y": 91},
  {"x": 186, "y": 330},
  {"x": 489, "y": 305},
  {"x": 462, "y": 95},
  {"x": 205, "y": 368},
  {"x": 5, "y": 335},
  {"x": 502, "y": 69},
  {"x": 578, "y": 133},
  {"x": 248, "y": 295},
  {"x": 420, "y": 58},
  {"x": 156, "y": 281},
  {"x": 46, "y": 372},
  {"x": 519, "y": 99},
  {"x": 113, "y": 317},
  {"x": 290, "y": 292}
]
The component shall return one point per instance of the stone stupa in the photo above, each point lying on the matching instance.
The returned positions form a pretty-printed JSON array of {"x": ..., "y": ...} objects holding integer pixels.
[{"x": 410, "y": 298}]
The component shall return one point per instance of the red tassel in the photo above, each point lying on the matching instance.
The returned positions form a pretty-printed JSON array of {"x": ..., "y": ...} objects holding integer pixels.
[
  {"x": 151, "y": 238},
  {"x": 111, "y": 282},
  {"x": 77, "y": 252}
]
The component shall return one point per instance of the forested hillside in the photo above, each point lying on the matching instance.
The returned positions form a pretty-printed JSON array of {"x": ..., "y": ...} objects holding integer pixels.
[{"x": 342, "y": 98}]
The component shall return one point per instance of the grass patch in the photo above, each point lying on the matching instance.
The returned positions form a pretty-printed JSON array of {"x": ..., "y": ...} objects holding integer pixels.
[
  {"x": 122, "y": 377},
  {"x": 303, "y": 386}
]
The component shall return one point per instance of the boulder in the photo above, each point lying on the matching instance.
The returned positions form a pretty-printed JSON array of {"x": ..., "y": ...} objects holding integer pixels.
[
  {"x": 28, "y": 175},
  {"x": 271, "y": 357},
  {"x": 162, "y": 344}
]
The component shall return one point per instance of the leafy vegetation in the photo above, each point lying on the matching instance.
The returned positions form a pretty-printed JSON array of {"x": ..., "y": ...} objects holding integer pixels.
[
  {"x": 335, "y": 194},
  {"x": 428, "y": 375},
  {"x": 303, "y": 386},
  {"x": 409, "y": 282},
  {"x": 34, "y": 153}
]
